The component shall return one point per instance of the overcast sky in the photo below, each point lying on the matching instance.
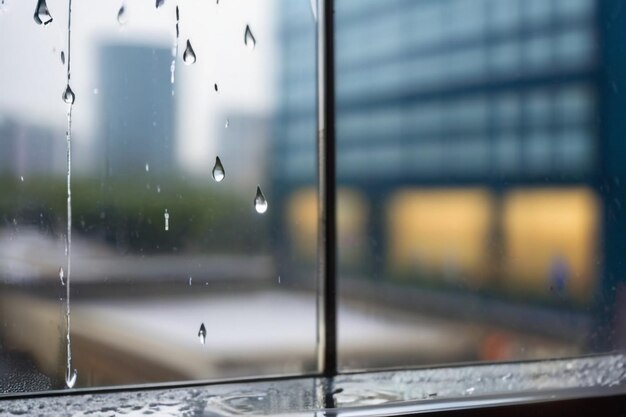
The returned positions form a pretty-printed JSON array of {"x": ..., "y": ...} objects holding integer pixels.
[{"x": 32, "y": 76}]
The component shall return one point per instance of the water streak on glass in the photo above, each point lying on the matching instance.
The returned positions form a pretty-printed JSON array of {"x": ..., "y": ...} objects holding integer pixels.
[
  {"x": 175, "y": 49},
  {"x": 69, "y": 98}
]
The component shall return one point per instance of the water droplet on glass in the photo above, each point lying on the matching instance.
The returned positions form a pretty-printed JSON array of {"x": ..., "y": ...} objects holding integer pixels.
[
  {"x": 121, "y": 15},
  {"x": 158, "y": 188},
  {"x": 42, "y": 14},
  {"x": 22, "y": 178},
  {"x": 61, "y": 275},
  {"x": 159, "y": 3},
  {"x": 227, "y": 123},
  {"x": 166, "y": 216},
  {"x": 249, "y": 39},
  {"x": 189, "y": 56},
  {"x": 62, "y": 57},
  {"x": 218, "y": 170},
  {"x": 68, "y": 95},
  {"x": 260, "y": 203},
  {"x": 202, "y": 334},
  {"x": 70, "y": 378},
  {"x": 147, "y": 167}
]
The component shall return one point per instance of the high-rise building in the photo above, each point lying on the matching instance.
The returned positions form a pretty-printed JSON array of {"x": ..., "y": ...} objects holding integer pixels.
[{"x": 137, "y": 109}]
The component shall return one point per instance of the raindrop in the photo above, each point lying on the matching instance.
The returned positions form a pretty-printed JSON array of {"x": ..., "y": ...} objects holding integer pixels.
[
  {"x": 96, "y": 91},
  {"x": 190, "y": 279},
  {"x": 22, "y": 178},
  {"x": 63, "y": 57},
  {"x": 279, "y": 279},
  {"x": 147, "y": 167},
  {"x": 189, "y": 56},
  {"x": 159, "y": 189},
  {"x": 68, "y": 95},
  {"x": 159, "y": 3},
  {"x": 166, "y": 215},
  {"x": 227, "y": 123},
  {"x": 248, "y": 38},
  {"x": 202, "y": 334},
  {"x": 70, "y": 378},
  {"x": 260, "y": 203},
  {"x": 216, "y": 88},
  {"x": 218, "y": 170},
  {"x": 42, "y": 14},
  {"x": 61, "y": 275},
  {"x": 121, "y": 15}
]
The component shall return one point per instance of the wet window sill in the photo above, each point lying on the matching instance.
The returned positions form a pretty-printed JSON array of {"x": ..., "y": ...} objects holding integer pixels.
[{"x": 600, "y": 380}]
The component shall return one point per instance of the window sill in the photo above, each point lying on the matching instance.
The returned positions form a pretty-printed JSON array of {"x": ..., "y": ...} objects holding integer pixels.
[{"x": 566, "y": 387}]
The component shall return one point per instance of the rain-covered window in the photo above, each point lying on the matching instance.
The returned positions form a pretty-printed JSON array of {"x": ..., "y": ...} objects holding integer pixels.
[
  {"x": 159, "y": 186},
  {"x": 160, "y": 248}
]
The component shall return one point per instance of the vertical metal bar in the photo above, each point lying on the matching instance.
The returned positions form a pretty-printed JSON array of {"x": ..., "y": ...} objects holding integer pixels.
[{"x": 327, "y": 239}]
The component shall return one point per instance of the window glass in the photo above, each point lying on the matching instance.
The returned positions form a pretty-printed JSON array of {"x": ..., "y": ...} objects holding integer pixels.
[
  {"x": 480, "y": 181},
  {"x": 174, "y": 274}
]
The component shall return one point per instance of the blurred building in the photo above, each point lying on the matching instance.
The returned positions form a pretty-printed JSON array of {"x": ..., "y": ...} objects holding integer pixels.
[
  {"x": 29, "y": 150},
  {"x": 137, "y": 109},
  {"x": 482, "y": 139}
]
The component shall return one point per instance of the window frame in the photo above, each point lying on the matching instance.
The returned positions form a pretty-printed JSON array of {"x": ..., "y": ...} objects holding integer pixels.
[{"x": 573, "y": 403}]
